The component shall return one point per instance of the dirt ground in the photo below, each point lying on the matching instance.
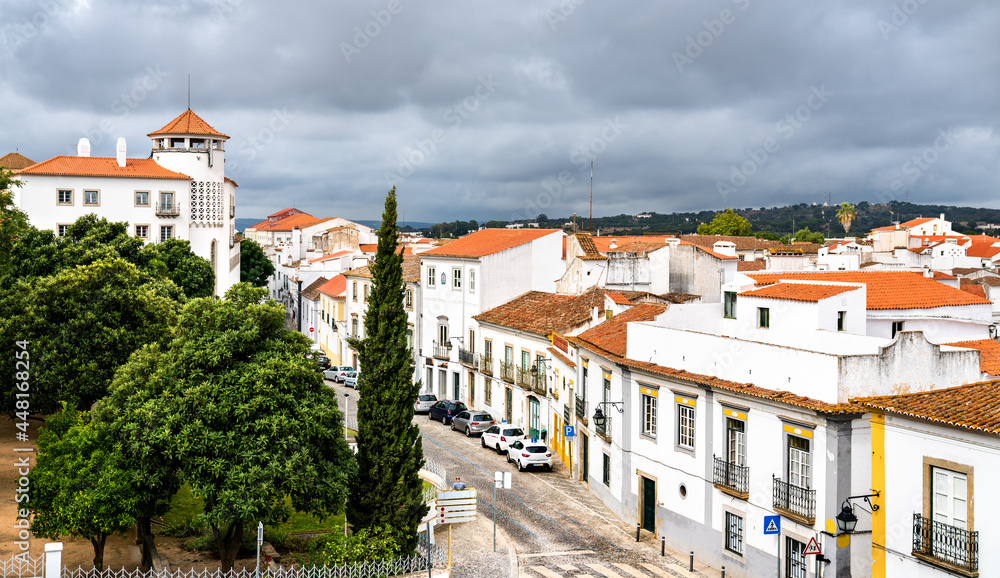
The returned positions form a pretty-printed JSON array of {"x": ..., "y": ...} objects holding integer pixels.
[{"x": 77, "y": 551}]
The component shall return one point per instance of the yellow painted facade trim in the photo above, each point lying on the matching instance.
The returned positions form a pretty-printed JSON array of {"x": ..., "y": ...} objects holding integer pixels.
[
  {"x": 649, "y": 391},
  {"x": 684, "y": 401},
  {"x": 734, "y": 414},
  {"x": 878, "y": 484},
  {"x": 802, "y": 433}
]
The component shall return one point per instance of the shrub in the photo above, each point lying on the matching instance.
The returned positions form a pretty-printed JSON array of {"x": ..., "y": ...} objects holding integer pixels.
[
  {"x": 336, "y": 549},
  {"x": 187, "y": 526}
]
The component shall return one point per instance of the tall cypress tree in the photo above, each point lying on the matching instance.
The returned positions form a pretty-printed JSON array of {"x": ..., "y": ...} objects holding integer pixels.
[{"x": 387, "y": 490}]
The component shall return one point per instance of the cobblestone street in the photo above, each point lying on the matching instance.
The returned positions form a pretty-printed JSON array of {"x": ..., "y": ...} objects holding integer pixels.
[{"x": 555, "y": 526}]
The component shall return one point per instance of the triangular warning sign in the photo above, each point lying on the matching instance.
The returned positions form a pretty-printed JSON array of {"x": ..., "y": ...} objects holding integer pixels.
[
  {"x": 812, "y": 547},
  {"x": 771, "y": 526}
]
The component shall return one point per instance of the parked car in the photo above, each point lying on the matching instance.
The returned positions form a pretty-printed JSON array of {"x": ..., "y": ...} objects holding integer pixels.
[
  {"x": 337, "y": 372},
  {"x": 446, "y": 410},
  {"x": 529, "y": 456},
  {"x": 501, "y": 436},
  {"x": 472, "y": 422},
  {"x": 323, "y": 361},
  {"x": 424, "y": 402},
  {"x": 351, "y": 379}
]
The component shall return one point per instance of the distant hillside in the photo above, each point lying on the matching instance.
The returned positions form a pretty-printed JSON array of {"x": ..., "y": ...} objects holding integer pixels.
[
  {"x": 242, "y": 224},
  {"x": 781, "y": 220}
]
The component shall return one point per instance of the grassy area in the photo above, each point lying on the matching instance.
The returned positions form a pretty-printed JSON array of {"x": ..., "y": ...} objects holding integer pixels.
[{"x": 186, "y": 506}]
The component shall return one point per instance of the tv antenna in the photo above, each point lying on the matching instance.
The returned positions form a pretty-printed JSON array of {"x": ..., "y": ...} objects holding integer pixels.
[{"x": 591, "y": 197}]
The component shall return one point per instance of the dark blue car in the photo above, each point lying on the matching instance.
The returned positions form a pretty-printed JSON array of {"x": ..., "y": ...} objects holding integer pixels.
[{"x": 445, "y": 410}]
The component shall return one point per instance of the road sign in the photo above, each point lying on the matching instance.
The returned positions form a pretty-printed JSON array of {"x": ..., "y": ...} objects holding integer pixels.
[
  {"x": 454, "y": 506},
  {"x": 772, "y": 525},
  {"x": 502, "y": 480},
  {"x": 812, "y": 547},
  {"x": 569, "y": 431},
  {"x": 310, "y": 330}
]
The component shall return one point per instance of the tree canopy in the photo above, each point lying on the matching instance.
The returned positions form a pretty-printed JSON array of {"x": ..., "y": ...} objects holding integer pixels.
[
  {"x": 193, "y": 274},
  {"x": 846, "y": 213},
  {"x": 387, "y": 489},
  {"x": 807, "y": 236},
  {"x": 13, "y": 221},
  {"x": 255, "y": 267},
  {"x": 232, "y": 403},
  {"x": 727, "y": 223}
]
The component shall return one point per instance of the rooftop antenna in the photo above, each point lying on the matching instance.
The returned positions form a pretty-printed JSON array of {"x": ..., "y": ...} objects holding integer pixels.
[
  {"x": 591, "y": 197},
  {"x": 189, "y": 91}
]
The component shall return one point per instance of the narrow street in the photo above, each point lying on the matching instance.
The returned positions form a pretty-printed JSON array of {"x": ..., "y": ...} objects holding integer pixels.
[{"x": 558, "y": 528}]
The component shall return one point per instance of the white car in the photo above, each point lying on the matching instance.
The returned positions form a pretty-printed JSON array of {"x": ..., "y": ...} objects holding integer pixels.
[
  {"x": 351, "y": 379},
  {"x": 530, "y": 455},
  {"x": 499, "y": 437},
  {"x": 424, "y": 402},
  {"x": 337, "y": 372}
]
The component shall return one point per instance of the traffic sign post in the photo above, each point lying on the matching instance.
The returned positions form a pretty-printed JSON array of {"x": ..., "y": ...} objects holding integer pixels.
[
  {"x": 813, "y": 547},
  {"x": 569, "y": 431},
  {"x": 499, "y": 479},
  {"x": 772, "y": 525}
]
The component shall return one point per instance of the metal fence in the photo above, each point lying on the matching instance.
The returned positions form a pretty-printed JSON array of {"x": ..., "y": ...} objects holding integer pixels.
[
  {"x": 955, "y": 546},
  {"x": 436, "y": 468},
  {"x": 793, "y": 499},
  {"x": 22, "y": 567}
]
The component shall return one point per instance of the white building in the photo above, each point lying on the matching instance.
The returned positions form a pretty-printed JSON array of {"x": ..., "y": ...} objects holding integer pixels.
[
  {"x": 468, "y": 276},
  {"x": 180, "y": 191}
]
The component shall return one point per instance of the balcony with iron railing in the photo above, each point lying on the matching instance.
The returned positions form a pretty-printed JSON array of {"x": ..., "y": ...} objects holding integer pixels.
[
  {"x": 731, "y": 478},
  {"x": 442, "y": 351},
  {"x": 949, "y": 547},
  {"x": 168, "y": 209},
  {"x": 539, "y": 385},
  {"x": 466, "y": 357},
  {"x": 581, "y": 409},
  {"x": 793, "y": 502},
  {"x": 486, "y": 365},
  {"x": 604, "y": 429},
  {"x": 522, "y": 377},
  {"x": 507, "y": 371}
]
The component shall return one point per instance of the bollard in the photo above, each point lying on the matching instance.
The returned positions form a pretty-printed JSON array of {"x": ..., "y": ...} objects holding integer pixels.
[
  {"x": 637, "y": 528},
  {"x": 663, "y": 546},
  {"x": 691, "y": 565},
  {"x": 723, "y": 572}
]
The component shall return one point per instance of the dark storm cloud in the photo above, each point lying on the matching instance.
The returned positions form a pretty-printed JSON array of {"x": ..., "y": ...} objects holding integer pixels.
[{"x": 495, "y": 109}]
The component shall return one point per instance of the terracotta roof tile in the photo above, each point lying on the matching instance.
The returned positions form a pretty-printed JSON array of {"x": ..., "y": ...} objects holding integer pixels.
[
  {"x": 939, "y": 275},
  {"x": 299, "y": 220},
  {"x": 312, "y": 291},
  {"x": 188, "y": 123},
  {"x": 755, "y": 265},
  {"x": 618, "y": 298},
  {"x": 15, "y": 161},
  {"x": 982, "y": 250},
  {"x": 742, "y": 243},
  {"x": 611, "y": 335},
  {"x": 561, "y": 357},
  {"x": 330, "y": 256},
  {"x": 488, "y": 242},
  {"x": 989, "y": 354},
  {"x": 711, "y": 252},
  {"x": 411, "y": 270},
  {"x": 974, "y": 407},
  {"x": 335, "y": 287},
  {"x": 102, "y": 167},
  {"x": 886, "y": 289},
  {"x": 543, "y": 313},
  {"x": 975, "y": 289},
  {"x": 799, "y": 291}
]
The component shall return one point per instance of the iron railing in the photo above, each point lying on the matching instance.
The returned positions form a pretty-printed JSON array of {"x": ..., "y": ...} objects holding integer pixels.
[
  {"x": 523, "y": 377},
  {"x": 731, "y": 476},
  {"x": 168, "y": 209},
  {"x": 794, "y": 500},
  {"x": 442, "y": 351},
  {"x": 538, "y": 384},
  {"x": 581, "y": 409},
  {"x": 948, "y": 544},
  {"x": 486, "y": 365},
  {"x": 467, "y": 357},
  {"x": 507, "y": 371}
]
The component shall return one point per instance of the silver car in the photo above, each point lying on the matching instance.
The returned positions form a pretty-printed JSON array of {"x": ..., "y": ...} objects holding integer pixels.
[
  {"x": 424, "y": 402},
  {"x": 529, "y": 455},
  {"x": 337, "y": 372},
  {"x": 472, "y": 422}
]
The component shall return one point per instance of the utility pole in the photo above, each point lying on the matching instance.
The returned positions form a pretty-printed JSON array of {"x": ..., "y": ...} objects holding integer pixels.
[{"x": 591, "y": 197}]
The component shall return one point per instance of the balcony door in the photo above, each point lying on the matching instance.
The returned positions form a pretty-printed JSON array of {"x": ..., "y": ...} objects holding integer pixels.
[
  {"x": 509, "y": 405},
  {"x": 166, "y": 201},
  {"x": 950, "y": 499},
  {"x": 534, "y": 418},
  {"x": 736, "y": 432},
  {"x": 798, "y": 461}
]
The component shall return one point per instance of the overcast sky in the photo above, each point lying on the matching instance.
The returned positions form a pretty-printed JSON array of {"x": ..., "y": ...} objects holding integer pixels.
[{"x": 494, "y": 109}]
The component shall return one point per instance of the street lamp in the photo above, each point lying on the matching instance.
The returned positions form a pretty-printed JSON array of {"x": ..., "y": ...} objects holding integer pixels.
[
  {"x": 599, "y": 419},
  {"x": 846, "y": 519}
]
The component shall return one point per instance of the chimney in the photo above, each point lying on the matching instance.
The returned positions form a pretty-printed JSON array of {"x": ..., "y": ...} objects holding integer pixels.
[
  {"x": 83, "y": 147},
  {"x": 120, "y": 151},
  {"x": 942, "y": 216},
  {"x": 614, "y": 244},
  {"x": 724, "y": 248}
]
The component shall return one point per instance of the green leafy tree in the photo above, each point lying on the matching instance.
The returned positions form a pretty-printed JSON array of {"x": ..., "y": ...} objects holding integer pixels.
[
  {"x": 174, "y": 259},
  {"x": 255, "y": 267},
  {"x": 13, "y": 221},
  {"x": 727, "y": 223},
  {"x": 235, "y": 407},
  {"x": 846, "y": 213},
  {"x": 807, "y": 236},
  {"x": 82, "y": 324},
  {"x": 78, "y": 485},
  {"x": 387, "y": 489}
]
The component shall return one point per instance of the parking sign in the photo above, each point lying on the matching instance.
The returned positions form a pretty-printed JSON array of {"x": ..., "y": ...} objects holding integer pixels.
[{"x": 569, "y": 431}]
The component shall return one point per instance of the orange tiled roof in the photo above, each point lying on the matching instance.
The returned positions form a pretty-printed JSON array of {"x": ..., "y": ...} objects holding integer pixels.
[
  {"x": 917, "y": 222},
  {"x": 982, "y": 250},
  {"x": 488, "y": 242},
  {"x": 542, "y": 313},
  {"x": 618, "y": 298},
  {"x": 334, "y": 287},
  {"x": 886, "y": 289},
  {"x": 974, "y": 407},
  {"x": 312, "y": 290},
  {"x": 188, "y": 123},
  {"x": 411, "y": 270},
  {"x": 755, "y": 265},
  {"x": 711, "y": 252},
  {"x": 231, "y": 181},
  {"x": 102, "y": 167},
  {"x": 989, "y": 354},
  {"x": 974, "y": 288},
  {"x": 799, "y": 291},
  {"x": 330, "y": 256},
  {"x": 290, "y": 222},
  {"x": 940, "y": 275},
  {"x": 559, "y": 355},
  {"x": 368, "y": 247},
  {"x": 614, "y": 335},
  {"x": 15, "y": 162},
  {"x": 742, "y": 243}
]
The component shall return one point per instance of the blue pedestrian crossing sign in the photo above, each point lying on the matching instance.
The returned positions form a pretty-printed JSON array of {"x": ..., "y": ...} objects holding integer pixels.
[
  {"x": 772, "y": 525},
  {"x": 569, "y": 431}
]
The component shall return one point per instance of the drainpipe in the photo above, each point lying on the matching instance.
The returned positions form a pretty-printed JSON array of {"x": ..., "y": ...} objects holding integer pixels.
[{"x": 298, "y": 307}]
